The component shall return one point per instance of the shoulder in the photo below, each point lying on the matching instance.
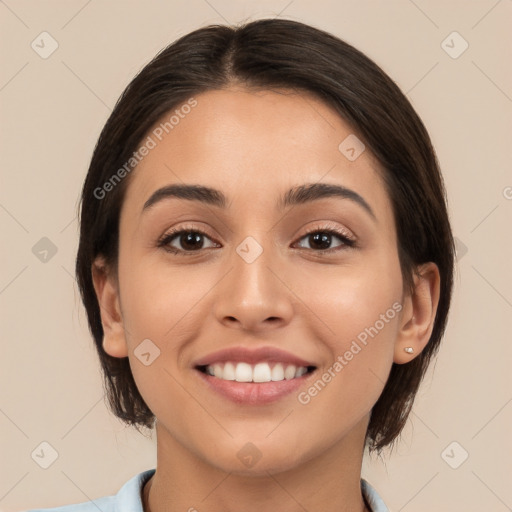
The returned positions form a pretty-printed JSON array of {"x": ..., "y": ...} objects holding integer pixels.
[
  {"x": 127, "y": 499},
  {"x": 372, "y": 497}
]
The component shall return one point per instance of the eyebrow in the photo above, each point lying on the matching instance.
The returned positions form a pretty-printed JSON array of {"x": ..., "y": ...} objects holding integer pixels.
[{"x": 295, "y": 196}]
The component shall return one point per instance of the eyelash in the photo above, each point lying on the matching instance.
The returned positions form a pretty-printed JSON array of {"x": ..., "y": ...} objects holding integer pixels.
[{"x": 165, "y": 240}]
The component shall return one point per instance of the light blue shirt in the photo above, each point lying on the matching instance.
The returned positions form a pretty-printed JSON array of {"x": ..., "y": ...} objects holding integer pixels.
[{"x": 128, "y": 499}]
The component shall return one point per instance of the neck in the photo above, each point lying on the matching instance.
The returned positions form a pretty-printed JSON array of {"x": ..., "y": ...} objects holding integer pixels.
[{"x": 329, "y": 481}]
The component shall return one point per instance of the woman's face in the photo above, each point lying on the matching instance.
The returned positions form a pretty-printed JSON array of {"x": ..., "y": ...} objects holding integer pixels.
[{"x": 258, "y": 279}]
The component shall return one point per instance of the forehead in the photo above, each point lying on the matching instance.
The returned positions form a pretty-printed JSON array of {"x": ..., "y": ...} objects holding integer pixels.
[{"x": 252, "y": 144}]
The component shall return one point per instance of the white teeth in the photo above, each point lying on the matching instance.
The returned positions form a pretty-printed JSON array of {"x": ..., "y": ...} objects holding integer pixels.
[
  {"x": 261, "y": 372},
  {"x": 278, "y": 372},
  {"x": 243, "y": 372},
  {"x": 301, "y": 370},
  {"x": 217, "y": 371},
  {"x": 289, "y": 373},
  {"x": 229, "y": 372}
]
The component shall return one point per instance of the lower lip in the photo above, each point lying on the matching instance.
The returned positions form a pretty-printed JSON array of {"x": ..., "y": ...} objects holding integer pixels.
[{"x": 253, "y": 393}]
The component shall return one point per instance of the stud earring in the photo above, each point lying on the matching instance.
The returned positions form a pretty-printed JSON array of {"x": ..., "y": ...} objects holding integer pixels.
[{"x": 409, "y": 350}]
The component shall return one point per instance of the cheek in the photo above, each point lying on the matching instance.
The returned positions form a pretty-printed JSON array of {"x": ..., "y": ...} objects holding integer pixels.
[
  {"x": 158, "y": 299},
  {"x": 365, "y": 311},
  {"x": 359, "y": 309},
  {"x": 349, "y": 299}
]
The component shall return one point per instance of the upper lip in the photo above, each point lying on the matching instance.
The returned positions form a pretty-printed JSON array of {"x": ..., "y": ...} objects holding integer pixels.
[{"x": 252, "y": 356}]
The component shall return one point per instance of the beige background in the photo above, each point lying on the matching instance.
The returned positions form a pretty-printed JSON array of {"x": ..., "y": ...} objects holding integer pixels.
[{"x": 52, "y": 111}]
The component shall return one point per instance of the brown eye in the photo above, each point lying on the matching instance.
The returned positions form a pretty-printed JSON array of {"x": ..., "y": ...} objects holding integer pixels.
[
  {"x": 185, "y": 241},
  {"x": 325, "y": 240},
  {"x": 191, "y": 241}
]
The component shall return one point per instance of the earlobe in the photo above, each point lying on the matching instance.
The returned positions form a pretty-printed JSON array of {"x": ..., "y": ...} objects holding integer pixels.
[
  {"x": 418, "y": 315},
  {"x": 107, "y": 293}
]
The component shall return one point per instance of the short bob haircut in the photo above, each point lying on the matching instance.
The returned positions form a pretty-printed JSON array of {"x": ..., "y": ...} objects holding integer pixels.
[{"x": 263, "y": 55}]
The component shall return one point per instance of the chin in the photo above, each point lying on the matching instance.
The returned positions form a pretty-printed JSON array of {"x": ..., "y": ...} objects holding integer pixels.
[
  {"x": 263, "y": 467},
  {"x": 258, "y": 458}
]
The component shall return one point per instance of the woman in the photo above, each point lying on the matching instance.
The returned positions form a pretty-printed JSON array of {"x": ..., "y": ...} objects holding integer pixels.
[{"x": 266, "y": 263}]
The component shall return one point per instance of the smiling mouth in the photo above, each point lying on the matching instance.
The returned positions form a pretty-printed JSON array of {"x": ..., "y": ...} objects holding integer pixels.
[{"x": 256, "y": 373}]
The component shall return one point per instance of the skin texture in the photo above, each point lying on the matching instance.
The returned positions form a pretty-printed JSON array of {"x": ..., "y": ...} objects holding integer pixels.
[{"x": 254, "y": 146}]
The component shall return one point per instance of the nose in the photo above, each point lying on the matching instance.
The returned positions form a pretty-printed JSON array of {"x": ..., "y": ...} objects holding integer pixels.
[{"x": 254, "y": 295}]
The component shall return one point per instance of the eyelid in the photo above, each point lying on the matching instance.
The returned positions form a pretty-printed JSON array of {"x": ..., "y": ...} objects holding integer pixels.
[
  {"x": 172, "y": 233},
  {"x": 345, "y": 235},
  {"x": 330, "y": 227}
]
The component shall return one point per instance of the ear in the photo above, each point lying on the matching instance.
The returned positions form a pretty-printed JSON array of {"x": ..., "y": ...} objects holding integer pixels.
[
  {"x": 418, "y": 314},
  {"x": 107, "y": 292}
]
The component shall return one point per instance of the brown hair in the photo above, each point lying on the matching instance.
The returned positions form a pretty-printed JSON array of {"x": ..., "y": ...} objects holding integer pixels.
[{"x": 284, "y": 54}]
